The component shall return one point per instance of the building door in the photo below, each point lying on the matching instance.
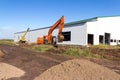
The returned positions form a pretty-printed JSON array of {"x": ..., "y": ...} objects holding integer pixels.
[
  {"x": 90, "y": 39},
  {"x": 107, "y": 38},
  {"x": 101, "y": 39}
]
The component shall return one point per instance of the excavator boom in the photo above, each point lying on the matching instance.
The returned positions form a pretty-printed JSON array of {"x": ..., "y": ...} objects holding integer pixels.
[
  {"x": 49, "y": 39},
  {"x": 60, "y": 22},
  {"x": 22, "y": 38}
]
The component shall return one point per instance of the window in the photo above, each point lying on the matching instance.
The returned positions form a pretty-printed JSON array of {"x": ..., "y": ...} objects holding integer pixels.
[
  {"x": 111, "y": 40},
  {"x": 119, "y": 41},
  {"x": 67, "y": 36}
]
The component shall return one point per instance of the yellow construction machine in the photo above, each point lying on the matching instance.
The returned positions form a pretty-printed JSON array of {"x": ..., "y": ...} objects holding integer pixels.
[{"x": 22, "y": 38}]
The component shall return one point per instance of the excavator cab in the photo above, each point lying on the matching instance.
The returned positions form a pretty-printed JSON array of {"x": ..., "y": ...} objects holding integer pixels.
[{"x": 60, "y": 37}]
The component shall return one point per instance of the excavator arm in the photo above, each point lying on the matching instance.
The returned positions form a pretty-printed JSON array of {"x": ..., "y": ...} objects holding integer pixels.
[
  {"x": 22, "y": 38},
  {"x": 49, "y": 38},
  {"x": 59, "y": 23}
]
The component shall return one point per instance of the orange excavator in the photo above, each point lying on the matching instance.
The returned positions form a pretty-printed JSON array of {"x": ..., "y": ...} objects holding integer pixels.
[{"x": 49, "y": 39}]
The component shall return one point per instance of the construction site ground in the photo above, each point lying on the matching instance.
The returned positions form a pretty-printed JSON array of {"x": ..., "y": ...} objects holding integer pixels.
[{"x": 35, "y": 63}]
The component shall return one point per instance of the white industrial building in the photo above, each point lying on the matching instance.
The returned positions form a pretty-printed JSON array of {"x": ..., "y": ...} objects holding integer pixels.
[{"x": 95, "y": 31}]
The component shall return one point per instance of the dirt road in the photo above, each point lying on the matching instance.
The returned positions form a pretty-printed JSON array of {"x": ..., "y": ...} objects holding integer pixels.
[{"x": 32, "y": 63}]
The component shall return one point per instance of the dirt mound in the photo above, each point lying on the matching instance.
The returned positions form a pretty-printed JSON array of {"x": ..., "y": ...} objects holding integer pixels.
[
  {"x": 9, "y": 71},
  {"x": 32, "y": 63},
  {"x": 78, "y": 70},
  {"x": 1, "y": 54}
]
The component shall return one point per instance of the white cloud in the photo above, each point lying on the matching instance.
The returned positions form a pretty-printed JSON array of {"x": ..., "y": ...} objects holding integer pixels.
[{"x": 7, "y": 32}]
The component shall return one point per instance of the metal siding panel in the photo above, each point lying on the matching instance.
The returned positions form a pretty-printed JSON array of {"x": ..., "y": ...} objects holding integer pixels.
[
  {"x": 78, "y": 34},
  {"x": 38, "y": 33},
  {"x": 104, "y": 25}
]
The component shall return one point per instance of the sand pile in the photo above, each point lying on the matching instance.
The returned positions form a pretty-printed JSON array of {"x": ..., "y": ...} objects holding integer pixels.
[
  {"x": 8, "y": 71},
  {"x": 78, "y": 70},
  {"x": 1, "y": 54}
]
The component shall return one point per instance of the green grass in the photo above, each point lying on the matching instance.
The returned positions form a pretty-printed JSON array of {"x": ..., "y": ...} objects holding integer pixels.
[
  {"x": 7, "y": 42},
  {"x": 77, "y": 52},
  {"x": 86, "y": 52},
  {"x": 40, "y": 48},
  {"x": 103, "y": 46}
]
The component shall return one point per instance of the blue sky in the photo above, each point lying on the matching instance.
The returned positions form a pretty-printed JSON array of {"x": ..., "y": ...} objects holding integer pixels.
[{"x": 18, "y": 15}]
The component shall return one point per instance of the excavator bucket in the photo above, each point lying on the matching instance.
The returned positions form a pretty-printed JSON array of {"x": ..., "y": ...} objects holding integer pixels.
[{"x": 60, "y": 38}]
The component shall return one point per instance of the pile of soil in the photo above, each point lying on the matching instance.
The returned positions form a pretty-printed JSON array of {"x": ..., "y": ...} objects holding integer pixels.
[
  {"x": 1, "y": 53},
  {"x": 78, "y": 70},
  {"x": 8, "y": 71},
  {"x": 22, "y": 64}
]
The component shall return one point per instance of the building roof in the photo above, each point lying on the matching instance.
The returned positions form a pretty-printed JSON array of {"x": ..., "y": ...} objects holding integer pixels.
[
  {"x": 108, "y": 16},
  {"x": 81, "y": 21},
  {"x": 75, "y": 22},
  {"x": 66, "y": 24}
]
